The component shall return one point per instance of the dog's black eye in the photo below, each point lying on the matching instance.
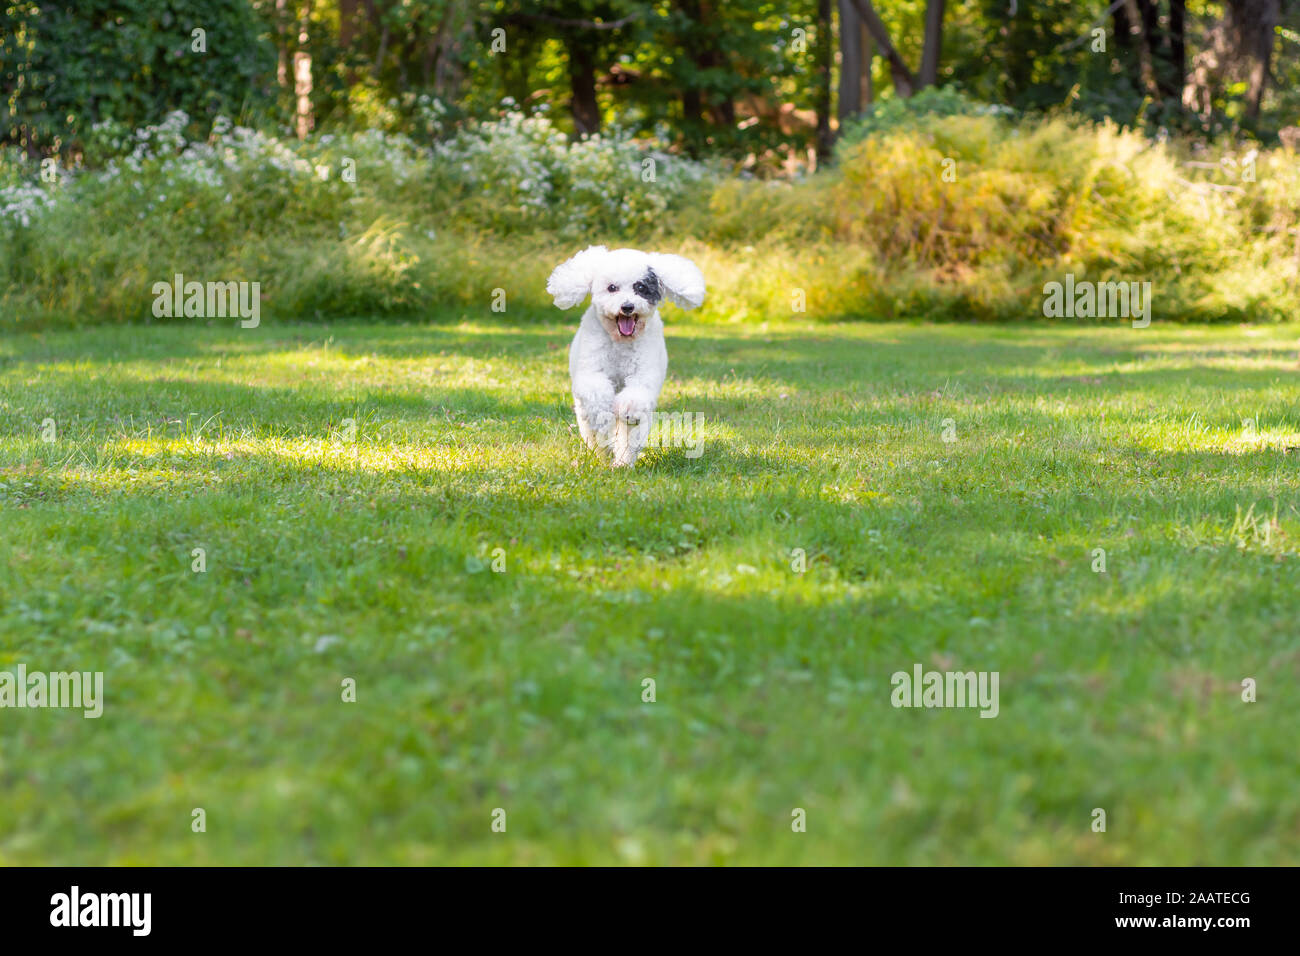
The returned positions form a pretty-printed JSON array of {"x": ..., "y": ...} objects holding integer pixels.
[
  {"x": 648, "y": 287},
  {"x": 613, "y": 288}
]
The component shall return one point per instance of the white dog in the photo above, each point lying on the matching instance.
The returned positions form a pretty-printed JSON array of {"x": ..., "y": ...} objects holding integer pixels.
[{"x": 618, "y": 359}]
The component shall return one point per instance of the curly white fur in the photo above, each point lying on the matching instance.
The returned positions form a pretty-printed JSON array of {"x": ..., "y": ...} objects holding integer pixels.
[{"x": 618, "y": 358}]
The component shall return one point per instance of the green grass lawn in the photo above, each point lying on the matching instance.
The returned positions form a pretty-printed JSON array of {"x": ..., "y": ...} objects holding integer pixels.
[{"x": 371, "y": 558}]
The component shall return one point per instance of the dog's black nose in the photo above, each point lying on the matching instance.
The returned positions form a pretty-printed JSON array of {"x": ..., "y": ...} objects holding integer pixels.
[{"x": 628, "y": 308}]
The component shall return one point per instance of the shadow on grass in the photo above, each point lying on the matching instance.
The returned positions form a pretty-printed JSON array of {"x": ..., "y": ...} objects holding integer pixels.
[
  {"x": 887, "y": 355},
  {"x": 128, "y": 402}
]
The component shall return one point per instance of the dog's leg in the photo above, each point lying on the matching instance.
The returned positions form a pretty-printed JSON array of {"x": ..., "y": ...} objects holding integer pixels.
[
  {"x": 634, "y": 410},
  {"x": 630, "y": 437},
  {"x": 585, "y": 428},
  {"x": 593, "y": 404}
]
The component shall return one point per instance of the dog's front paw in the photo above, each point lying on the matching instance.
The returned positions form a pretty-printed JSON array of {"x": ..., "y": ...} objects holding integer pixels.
[{"x": 633, "y": 407}]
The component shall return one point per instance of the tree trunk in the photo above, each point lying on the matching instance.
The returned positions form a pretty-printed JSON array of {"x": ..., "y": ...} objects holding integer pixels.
[
  {"x": 582, "y": 84},
  {"x": 448, "y": 73},
  {"x": 692, "y": 106},
  {"x": 1252, "y": 32},
  {"x": 1166, "y": 47},
  {"x": 824, "y": 55},
  {"x": 349, "y": 10},
  {"x": 1146, "y": 70},
  {"x": 1239, "y": 47},
  {"x": 1178, "y": 37},
  {"x": 382, "y": 53},
  {"x": 856, "y": 54},
  {"x": 904, "y": 81},
  {"x": 282, "y": 42},
  {"x": 705, "y": 53},
  {"x": 348, "y": 23},
  {"x": 850, "y": 93},
  {"x": 868, "y": 61},
  {"x": 933, "y": 41},
  {"x": 304, "y": 119}
]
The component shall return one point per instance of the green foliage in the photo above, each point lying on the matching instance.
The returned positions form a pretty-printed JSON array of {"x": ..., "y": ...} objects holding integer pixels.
[
  {"x": 236, "y": 199},
  {"x": 947, "y": 214},
  {"x": 65, "y": 67},
  {"x": 988, "y": 204},
  {"x": 716, "y": 58}
]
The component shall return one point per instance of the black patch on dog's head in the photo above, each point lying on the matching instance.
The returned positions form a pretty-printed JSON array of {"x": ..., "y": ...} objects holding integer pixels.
[{"x": 648, "y": 287}]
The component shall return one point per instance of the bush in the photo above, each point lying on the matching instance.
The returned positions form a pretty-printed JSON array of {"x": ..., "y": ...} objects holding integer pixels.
[
  {"x": 946, "y": 216},
  {"x": 95, "y": 240},
  {"x": 900, "y": 114},
  {"x": 521, "y": 174},
  {"x": 975, "y": 195}
]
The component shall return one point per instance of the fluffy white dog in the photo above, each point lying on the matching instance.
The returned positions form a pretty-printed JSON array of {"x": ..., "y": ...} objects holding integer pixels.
[{"x": 618, "y": 359}]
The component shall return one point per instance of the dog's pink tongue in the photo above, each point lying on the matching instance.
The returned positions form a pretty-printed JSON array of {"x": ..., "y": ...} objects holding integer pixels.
[{"x": 626, "y": 326}]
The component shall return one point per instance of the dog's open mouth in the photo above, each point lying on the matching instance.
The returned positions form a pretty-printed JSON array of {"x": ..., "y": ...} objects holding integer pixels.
[{"x": 626, "y": 324}]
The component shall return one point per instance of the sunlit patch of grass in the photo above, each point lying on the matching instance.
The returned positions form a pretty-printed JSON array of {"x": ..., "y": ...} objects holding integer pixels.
[{"x": 867, "y": 497}]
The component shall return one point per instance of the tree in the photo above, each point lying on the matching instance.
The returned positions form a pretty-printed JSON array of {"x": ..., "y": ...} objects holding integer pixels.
[
  {"x": 823, "y": 88},
  {"x": 905, "y": 82},
  {"x": 65, "y": 67},
  {"x": 855, "y": 62},
  {"x": 1239, "y": 48},
  {"x": 933, "y": 41},
  {"x": 1248, "y": 28},
  {"x": 719, "y": 75},
  {"x": 584, "y": 27}
]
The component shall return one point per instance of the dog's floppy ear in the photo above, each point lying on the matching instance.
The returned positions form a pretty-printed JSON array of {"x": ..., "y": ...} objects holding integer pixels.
[
  {"x": 570, "y": 283},
  {"x": 682, "y": 282}
]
